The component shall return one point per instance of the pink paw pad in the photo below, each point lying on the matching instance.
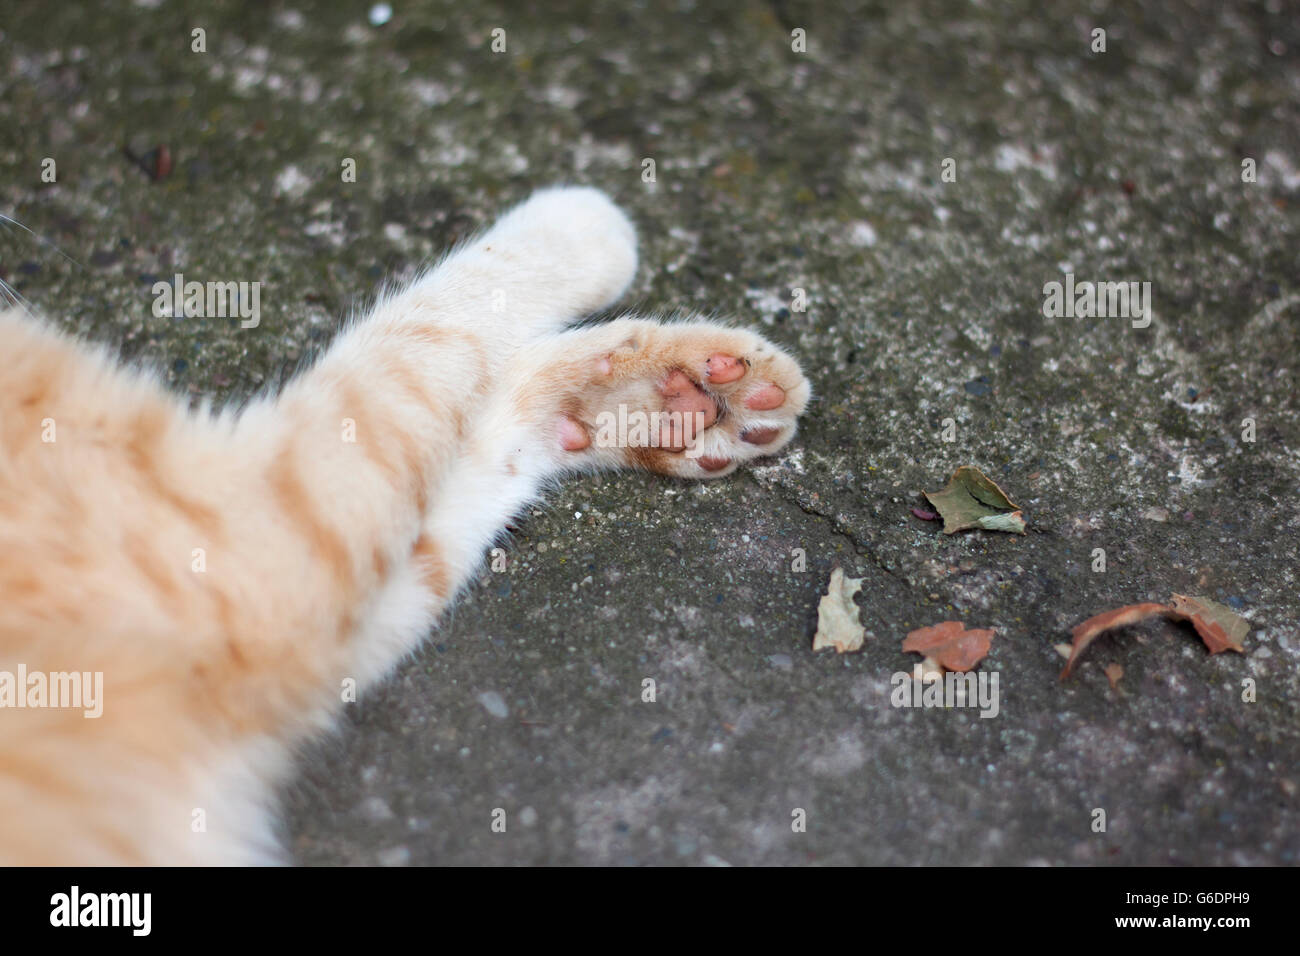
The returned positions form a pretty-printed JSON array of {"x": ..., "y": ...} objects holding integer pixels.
[
  {"x": 573, "y": 436},
  {"x": 759, "y": 436},
  {"x": 680, "y": 394},
  {"x": 722, "y": 369},
  {"x": 766, "y": 398}
]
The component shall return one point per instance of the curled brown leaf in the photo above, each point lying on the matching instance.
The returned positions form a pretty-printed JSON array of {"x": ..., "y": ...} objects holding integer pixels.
[
  {"x": 1085, "y": 633},
  {"x": 1220, "y": 629}
]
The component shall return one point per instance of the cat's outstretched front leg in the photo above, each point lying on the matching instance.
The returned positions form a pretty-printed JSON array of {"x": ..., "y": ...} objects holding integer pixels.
[{"x": 359, "y": 445}]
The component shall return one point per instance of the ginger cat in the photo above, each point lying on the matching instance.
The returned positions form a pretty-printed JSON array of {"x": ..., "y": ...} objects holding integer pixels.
[{"x": 336, "y": 520}]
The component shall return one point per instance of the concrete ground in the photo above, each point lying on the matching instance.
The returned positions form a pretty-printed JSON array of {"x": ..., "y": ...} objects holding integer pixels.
[{"x": 775, "y": 171}]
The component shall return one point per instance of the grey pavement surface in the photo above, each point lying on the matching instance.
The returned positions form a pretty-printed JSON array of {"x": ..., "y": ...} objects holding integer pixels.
[{"x": 776, "y": 171}]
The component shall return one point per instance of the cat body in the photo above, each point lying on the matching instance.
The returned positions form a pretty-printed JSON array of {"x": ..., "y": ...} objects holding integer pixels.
[{"x": 231, "y": 574}]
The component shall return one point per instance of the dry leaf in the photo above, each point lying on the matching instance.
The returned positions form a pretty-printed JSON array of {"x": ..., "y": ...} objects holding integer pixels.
[
  {"x": 1220, "y": 629},
  {"x": 1085, "y": 633},
  {"x": 837, "y": 616},
  {"x": 1113, "y": 673},
  {"x": 972, "y": 500},
  {"x": 950, "y": 645}
]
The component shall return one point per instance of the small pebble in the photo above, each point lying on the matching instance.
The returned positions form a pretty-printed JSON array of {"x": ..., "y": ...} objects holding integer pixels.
[
  {"x": 494, "y": 704},
  {"x": 781, "y": 662},
  {"x": 395, "y": 856},
  {"x": 375, "y": 808}
]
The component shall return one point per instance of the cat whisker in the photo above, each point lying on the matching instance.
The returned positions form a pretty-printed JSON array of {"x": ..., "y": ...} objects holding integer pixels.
[
  {"x": 14, "y": 297},
  {"x": 9, "y": 220}
]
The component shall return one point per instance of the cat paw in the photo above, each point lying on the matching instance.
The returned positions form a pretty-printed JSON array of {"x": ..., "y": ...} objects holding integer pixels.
[{"x": 692, "y": 400}]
